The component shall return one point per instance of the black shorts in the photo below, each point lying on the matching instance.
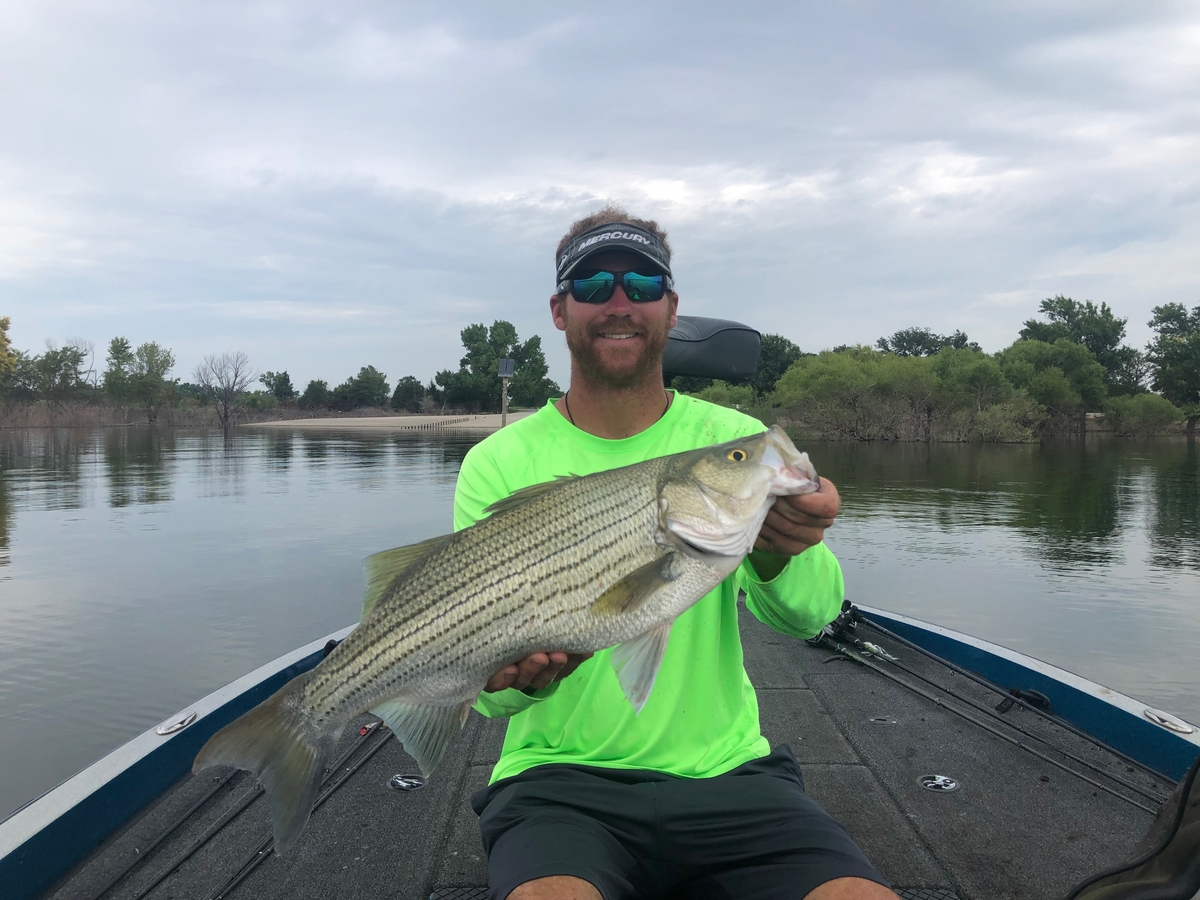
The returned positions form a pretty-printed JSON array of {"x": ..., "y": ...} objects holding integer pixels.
[{"x": 750, "y": 833}]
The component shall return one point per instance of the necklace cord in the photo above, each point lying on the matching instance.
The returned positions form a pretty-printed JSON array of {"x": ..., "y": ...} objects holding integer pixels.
[{"x": 571, "y": 418}]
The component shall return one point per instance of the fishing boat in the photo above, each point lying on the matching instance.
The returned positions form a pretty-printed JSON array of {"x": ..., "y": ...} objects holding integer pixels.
[{"x": 965, "y": 770}]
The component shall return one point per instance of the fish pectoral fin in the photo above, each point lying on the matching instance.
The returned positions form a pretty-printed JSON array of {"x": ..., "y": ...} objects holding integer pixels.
[
  {"x": 636, "y": 663},
  {"x": 525, "y": 494},
  {"x": 637, "y": 587},
  {"x": 423, "y": 729},
  {"x": 381, "y": 569}
]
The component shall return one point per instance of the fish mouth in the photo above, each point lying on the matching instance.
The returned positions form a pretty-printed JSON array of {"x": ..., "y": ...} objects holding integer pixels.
[{"x": 793, "y": 473}]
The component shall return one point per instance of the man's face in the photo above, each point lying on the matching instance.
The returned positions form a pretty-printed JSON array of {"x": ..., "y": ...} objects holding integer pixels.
[{"x": 616, "y": 343}]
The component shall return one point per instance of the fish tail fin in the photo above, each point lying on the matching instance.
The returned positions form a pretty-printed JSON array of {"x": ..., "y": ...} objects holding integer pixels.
[{"x": 278, "y": 743}]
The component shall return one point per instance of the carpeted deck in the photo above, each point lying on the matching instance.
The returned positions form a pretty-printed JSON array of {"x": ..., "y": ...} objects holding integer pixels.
[{"x": 1018, "y": 828}]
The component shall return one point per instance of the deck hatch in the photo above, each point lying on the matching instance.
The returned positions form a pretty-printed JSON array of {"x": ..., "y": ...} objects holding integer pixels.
[
  {"x": 406, "y": 782},
  {"x": 940, "y": 784}
]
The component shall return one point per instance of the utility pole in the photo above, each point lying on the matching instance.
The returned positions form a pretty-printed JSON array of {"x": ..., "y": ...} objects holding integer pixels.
[{"x": 505, "y": 372}]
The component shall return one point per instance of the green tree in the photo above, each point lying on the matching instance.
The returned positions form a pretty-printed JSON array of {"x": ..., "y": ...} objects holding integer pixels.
[
  {"x": 734, "y": 396},
  {"x": 924, "y": 342},
  {"x": 368, "y": 388},
  {"x": 59, "y": 374},
  {"x": 118, "y": 372},
  {"x": 1096, "y": 328},
  {"x": 408, "y": 394},
  {"x": 279, "y": 385},
  {"x": 691, "y": 384},
  {"x": 148, "y": 380},
  {"x": 911, "y": 385},
  {"x": 970, "y": 379},
  {"x": 777, "y": 356},
  {"x": 833, "y": 392},
  {"x": 189, "y": 390},
  {"x": 476, "y": 384},
  {"x": 23, "y": 384},
  {"x": 1064, "y": 376},
  {"x": 315, "y": 394},
  {"x": 865, "y": 394},
  {"x": 1174, "y": 355},
  {"x": 8, "y": 356}
]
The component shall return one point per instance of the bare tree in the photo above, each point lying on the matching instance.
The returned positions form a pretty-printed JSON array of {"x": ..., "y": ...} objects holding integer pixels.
[{"x": 225, "y": 379}]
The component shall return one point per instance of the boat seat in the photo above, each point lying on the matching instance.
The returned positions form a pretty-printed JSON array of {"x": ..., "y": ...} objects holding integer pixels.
[{"x": 1165, "y": 865}]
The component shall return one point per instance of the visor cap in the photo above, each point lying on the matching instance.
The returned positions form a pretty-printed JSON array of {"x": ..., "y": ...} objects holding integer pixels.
[{"x": 613, "y": 236}]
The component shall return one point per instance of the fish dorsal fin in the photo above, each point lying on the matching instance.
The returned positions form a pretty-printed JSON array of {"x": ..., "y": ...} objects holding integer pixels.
[
  {"x": 637, "y": 587},
  {"x": 381, "y": 569},
  {"x": 525, "y": 494}
]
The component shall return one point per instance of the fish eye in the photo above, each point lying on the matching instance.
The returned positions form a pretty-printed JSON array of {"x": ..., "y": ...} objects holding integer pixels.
[{"x": 736, "y": 455}]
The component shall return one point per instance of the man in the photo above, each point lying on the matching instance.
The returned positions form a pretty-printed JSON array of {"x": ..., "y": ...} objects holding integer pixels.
[{"x": 686, "y": 799}]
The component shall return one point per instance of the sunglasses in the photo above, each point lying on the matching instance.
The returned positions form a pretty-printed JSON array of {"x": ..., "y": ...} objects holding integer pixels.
[{"x": 599, "y": 287}]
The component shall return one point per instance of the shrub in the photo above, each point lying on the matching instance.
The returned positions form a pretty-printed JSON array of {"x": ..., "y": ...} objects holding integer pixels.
[
  {"x": 1143, "y": 415},
  {"x": 1015, "y": 421}
]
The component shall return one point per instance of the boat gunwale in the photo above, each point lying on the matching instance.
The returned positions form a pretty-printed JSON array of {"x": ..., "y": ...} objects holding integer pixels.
[
  {"x": 47, "y": 837},
  {"x": 1078, "y": 700},
  {"x": 43, "y": 840}
]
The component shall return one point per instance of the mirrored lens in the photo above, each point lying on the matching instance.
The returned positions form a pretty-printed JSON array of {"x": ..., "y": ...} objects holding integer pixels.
[
  {"x": 593, "y": 289},
  {"x": 642, "y": 288}
]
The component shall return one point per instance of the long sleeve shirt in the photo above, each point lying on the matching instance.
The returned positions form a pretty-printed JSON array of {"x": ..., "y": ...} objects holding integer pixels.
[{"x": 701, "y": 718}]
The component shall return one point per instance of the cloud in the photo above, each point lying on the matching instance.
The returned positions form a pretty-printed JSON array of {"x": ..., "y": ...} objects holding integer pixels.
[{"x": 330, "y": 186}]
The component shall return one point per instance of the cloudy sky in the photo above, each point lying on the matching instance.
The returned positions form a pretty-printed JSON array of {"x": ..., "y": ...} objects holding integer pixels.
[{"x": 330, "y": 185}]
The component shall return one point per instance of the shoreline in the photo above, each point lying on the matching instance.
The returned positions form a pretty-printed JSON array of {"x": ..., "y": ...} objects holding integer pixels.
[{"x": 486, "y": 422}]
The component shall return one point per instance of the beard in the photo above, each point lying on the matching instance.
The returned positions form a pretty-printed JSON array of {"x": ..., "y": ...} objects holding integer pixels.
[{"x": 622, "y": 375}]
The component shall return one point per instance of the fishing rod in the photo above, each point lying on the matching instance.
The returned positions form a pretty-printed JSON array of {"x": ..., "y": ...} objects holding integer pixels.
[
  {"x": 875, "y": 650},
  {"x": 266, "y": 846},
  {"x": 830, "y": 641},
  {"x": 1015, "y": 699},
  {"x": 214, "y": 829}
]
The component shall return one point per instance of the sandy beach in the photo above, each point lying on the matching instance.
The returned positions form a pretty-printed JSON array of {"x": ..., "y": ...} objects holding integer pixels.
[{"x": 483, "y": 423}]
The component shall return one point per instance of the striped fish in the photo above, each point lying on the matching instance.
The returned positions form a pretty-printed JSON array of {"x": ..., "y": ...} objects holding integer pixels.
[{"x": 575, "y": 565}]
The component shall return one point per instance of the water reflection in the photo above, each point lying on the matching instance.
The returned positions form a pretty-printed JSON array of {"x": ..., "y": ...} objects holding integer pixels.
[
  {"x": 135, "y": 461},
  {"x": 45, "y": 466},
  {"x": 142, "y": 569},
  {"x": 1087, "y": 555},
  {"x": 1175, "y": 524},
  {"x": 1071, "y": 500},
  {"x": 6, "y": 516},
  {"x": 279, "y": 449},
  {"x": 316, "y": 450}
]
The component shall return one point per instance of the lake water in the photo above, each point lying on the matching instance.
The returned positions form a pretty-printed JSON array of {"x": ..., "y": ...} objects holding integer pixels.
[{"x": 140, "y": 570}]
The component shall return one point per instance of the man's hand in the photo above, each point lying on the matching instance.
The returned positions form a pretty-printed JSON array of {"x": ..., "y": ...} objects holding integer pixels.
[
  {"x": 798, "y": 522},
  {"x": 536, "y": 671}
]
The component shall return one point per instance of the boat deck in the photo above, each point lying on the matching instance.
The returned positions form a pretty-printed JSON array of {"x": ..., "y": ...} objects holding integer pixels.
[{"x": 1018, "y": 827}]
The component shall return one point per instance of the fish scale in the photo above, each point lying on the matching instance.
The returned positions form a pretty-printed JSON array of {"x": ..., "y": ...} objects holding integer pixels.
[
  {"x": 579, "y": 565},
  {"x": 485, "y": 551}
]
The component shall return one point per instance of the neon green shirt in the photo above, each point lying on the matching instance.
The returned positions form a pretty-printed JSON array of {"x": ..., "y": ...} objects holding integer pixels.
[{"x": 702, "y": 716}]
